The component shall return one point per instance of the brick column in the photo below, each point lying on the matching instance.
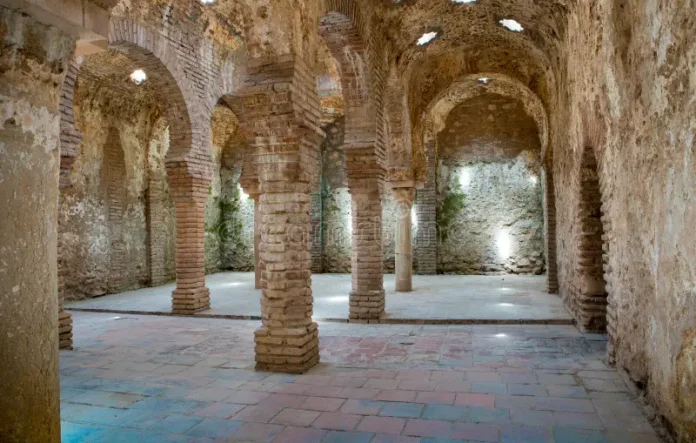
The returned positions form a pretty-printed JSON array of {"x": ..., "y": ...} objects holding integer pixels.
[
  {"x": 189, "y": 195},
  {"x": 278, "y": 110},
  {"x": 257, "y": 240},
  {"x": 404, "y": 253},
  {"x": 550, "y": 225},
  {"x": 365, "y": 182},
  {"x": 70, "y": 139}
]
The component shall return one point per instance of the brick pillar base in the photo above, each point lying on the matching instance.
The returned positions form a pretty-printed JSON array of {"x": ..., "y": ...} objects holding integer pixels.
[
  {"x": 367, "y": 295},
  {"x": 189, "y": 195},
  {"x": 288, "y": 341},
  {"x": 65, "y": 327}
]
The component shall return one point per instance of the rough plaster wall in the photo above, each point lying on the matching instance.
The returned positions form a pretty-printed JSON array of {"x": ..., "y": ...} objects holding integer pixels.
[
  {"x": 631, "y": 95},
  {"x": 501, "y": 206},
  {"x": 107, "y": 251},
  {"x": 490, "y": 215},
  {"x": 162, "y": 213}
]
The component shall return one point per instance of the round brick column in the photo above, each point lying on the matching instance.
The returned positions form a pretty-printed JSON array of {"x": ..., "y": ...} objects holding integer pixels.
[
  {"x": 404, "y": 252},
  {"x": 276, "y": 109}
]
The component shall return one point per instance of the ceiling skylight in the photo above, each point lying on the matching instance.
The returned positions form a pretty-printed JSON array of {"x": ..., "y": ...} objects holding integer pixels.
[
  {"x": 138, "y": 76},
  {"x": 512, "y": 25},
  {"x": 427, "y": 38}
]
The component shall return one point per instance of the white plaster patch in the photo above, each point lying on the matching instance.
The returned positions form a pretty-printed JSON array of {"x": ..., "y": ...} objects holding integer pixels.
[{"x": 43, "y": 125}]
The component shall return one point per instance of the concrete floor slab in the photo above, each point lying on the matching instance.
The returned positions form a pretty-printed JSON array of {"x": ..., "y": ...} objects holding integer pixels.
[{"x": 435, "y": 298}]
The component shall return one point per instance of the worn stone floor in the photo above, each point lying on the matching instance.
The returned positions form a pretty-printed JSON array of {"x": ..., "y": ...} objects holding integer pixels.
[
  {"x": 435, "y": 297},
  {"x": 138, "y": 378}
]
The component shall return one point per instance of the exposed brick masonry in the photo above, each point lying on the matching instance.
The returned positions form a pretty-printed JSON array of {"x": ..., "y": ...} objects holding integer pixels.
[
  {"x": 279, "y": 116},
  {"x": 588, "y": 300}
]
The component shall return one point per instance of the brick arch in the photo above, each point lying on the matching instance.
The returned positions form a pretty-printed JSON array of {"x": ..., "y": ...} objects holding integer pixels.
[
  {"x": 357, "y": 52},
  {"x": 433, "y": 121},
  {"x": 398, "y": 123},
  {"x": 249, "y": 179},
  {"x": 468, "y": 87},
  {"x": 189, "y": 134},
  {"x": 347, "y": 46}
]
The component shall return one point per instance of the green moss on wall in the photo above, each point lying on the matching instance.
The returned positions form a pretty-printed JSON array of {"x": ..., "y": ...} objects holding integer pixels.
[{"x": 449, "y": 208}]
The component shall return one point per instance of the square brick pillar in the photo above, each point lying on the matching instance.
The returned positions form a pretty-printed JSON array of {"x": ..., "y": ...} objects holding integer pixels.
[
  {"x": 278, "y": 110},
  {"x": 189, "y": 195},
  {"x": 365, "y": 183}
]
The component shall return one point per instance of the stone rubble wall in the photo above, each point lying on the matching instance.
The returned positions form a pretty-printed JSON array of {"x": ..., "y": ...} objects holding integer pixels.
[
  {"x": 490, "y": 217},
  {"x": 110, "y": 195}
]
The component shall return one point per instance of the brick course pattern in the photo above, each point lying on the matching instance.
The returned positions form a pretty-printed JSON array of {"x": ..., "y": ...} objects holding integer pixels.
[
  {"x": 278, "y": 109},
  {"x": 588, "y": 299},
  {"x": 550, "y": 225},
  {"x": 187, "y": 83},
  {"x": 362, "y": 81}
]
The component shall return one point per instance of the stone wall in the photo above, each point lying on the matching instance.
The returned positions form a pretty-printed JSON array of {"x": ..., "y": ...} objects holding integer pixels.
[
  {"x": 115, "y": 194},
  {"x": 229, "y": 212},
  {"x": 490, "y": 217},
  {"x": 628, "y": 94}
]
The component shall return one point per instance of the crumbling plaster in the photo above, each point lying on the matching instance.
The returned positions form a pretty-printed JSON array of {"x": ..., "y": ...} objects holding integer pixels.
[{"x": 33, "y": 63}]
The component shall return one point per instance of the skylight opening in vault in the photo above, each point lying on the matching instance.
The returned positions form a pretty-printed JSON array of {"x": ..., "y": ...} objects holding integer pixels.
[
  {"x": 138, "y": 76},
  {"x": 427, "y": 38},
  {"x": 207, "y": 2},
  {"x": 463, "y": 2},
  {"x": 512, "y": 25}
]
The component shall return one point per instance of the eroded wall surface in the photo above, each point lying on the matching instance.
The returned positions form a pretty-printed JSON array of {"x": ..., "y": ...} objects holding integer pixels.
[
  {"x": 490, "y": 216},
  {"x": 631, "y": 96},
  {"x": 229, "y": 212},
  {"x": 115, "y": 184}
]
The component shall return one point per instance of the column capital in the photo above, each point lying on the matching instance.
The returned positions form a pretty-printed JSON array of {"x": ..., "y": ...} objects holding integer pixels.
[{"x": 404, "y": 195}]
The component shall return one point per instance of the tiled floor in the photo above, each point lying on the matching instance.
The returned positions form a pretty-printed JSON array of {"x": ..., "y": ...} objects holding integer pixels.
[
  {"x": 454, "y": 297},
  {"x": 172, "y": 379}
]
